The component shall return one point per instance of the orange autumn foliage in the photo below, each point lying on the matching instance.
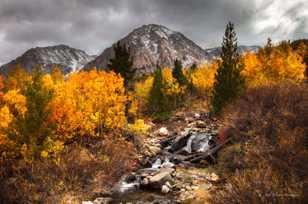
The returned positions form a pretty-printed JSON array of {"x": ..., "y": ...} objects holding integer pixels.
[
  {"x": 274, "y": 65},
  {"x": 87, "y": 101}
]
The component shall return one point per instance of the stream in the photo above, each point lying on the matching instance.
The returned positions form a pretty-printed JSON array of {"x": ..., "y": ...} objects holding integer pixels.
[{"x": 158, "y": 180}]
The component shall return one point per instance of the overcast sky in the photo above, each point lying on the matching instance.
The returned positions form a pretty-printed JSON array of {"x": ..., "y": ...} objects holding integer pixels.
[{"x": 93, "y": 25}]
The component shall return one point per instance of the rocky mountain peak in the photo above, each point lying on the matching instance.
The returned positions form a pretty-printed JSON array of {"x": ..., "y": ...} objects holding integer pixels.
[
  {"x": 152, "y": 45},
  {"x": 67, "y": 58}
]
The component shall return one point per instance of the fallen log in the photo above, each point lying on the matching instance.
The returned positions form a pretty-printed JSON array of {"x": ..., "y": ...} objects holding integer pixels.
[{"x": 204, "y": 155}]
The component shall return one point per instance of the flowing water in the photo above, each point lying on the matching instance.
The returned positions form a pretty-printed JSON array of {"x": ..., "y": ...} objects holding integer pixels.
[{"x": 131, "y": 189}]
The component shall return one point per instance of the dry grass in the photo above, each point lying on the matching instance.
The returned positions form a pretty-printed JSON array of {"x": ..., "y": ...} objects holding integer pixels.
[
  {"x": 271, "y": 163},
  {"x": 78, "y": 173}
]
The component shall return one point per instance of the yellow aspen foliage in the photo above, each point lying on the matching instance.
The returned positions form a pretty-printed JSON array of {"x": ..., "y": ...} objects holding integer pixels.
[
  {"x": 89, "y": 101},
  {"x": 17, "y": 78},
  {"x": 5, "y": 143},
  {"x": 203, "y": 78},
  {"x": 5, "y": 117},
  {"x": 15, "y": 101},
  {"x": 142, "y": 91},
  {"x": 170, "y": 85},
  {"x": 138, "y": 127},
  {"x": 48, "y": 81},
  {"x": 273, "y": 66}
]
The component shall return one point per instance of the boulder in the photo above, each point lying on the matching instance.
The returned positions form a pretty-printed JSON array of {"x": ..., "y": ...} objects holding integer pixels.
[
  {"x": 165, "y": 189},
  {"x": 160, "y": 178},
  {"x": 163, "y": 131}
]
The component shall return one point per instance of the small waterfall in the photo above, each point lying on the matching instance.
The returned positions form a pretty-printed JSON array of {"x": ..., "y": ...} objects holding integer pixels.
[{"x": 157, "y": 164}]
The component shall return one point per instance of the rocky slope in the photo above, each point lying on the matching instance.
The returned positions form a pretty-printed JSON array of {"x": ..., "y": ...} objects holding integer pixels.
[
  {"x": 65, "y": 57},
  {"x": 152, "y": 45}
]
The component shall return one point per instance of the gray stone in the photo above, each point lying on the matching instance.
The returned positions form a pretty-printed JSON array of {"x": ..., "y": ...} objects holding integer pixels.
[
  {"x": 102, "y": 200},
  {"x": 165, "y": 189}
]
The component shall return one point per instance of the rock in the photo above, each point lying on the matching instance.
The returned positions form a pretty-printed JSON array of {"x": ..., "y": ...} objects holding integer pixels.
[
  {"x": 197, "y": 115},
  {"x": 163, "y": 131},
  {"x": 102, "y": 200},
  {"x": 201, "y": 124},
  {"x": 179, "y": 143},
  {"x": 168, "y": 184},
  {"x": 167, "y": 141},
  {"x": 165, "y": 189},
  {"x": 213, "y": 177},
  {"x": 145, "y": 181},
  {"x": 206, "y": 186},
  {"x": 188, "y": 187},
  {"x": 86, "y": 202},
  {"x": 161, "y": 177}
]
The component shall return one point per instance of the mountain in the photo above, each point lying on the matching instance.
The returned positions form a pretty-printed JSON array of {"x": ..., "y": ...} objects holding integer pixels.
[
  {"x": 67, "y": 58},
  {"x": 215, "y": 52},
  {"x": 152, "y": 45},
  {"x": 149, "y": 46}
]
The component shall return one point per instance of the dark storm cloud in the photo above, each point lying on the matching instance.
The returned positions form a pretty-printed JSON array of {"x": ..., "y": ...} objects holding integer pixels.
[{"x": 95, "y": 24}]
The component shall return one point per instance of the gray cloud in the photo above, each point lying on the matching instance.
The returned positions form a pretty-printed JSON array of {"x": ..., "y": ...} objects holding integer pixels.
[{"x": 93, "y": 25}]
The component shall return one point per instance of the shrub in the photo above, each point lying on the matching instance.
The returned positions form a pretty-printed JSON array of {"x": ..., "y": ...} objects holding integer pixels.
[
  {"x": 272, "y": 122},
  {"x": 80, "y": 171}
]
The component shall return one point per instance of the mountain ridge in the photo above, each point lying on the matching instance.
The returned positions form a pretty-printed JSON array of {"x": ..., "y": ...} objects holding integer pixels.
[
  {"x": 68, "y": 59},
  {"x": 150, "y": 46}
]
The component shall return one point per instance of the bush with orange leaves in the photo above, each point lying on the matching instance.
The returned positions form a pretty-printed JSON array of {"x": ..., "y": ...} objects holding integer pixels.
[{"x": 88, "y": 103}]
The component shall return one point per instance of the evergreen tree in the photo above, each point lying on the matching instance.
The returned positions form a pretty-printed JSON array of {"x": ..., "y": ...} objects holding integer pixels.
[
  {"x": 191, "y": 71},
  {"x": 228, "y": 81},
  {"x": 178, "y": 74},
  {"x": 122, "y": 64},
  {"x": 192, "y": 68},
  {"x": 157, "y": 99},
  {"x": 33, "y": 127}
]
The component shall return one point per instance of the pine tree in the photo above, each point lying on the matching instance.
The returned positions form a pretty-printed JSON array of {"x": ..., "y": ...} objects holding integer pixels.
[
  {"x": 122, "y": 64},
  {"x": 157, "y": 99},
  {"x": 228, "y": 81},
  {"x": 33, "y": 127},
  {"x": 191, "y": 71},
  {"x": 178, "y": 74}
]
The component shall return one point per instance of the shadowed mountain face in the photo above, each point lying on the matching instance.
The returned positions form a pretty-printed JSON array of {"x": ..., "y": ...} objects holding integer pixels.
[
  {"x": 149, "y": 45},
  {"x": 66, "y": 58}
]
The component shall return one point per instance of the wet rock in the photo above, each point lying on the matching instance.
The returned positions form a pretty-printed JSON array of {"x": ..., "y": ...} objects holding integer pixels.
[
  {"x": 145, "y": 182},
  {"x": 179, "y": 143},
  {"x": 167, "y": 142}
]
